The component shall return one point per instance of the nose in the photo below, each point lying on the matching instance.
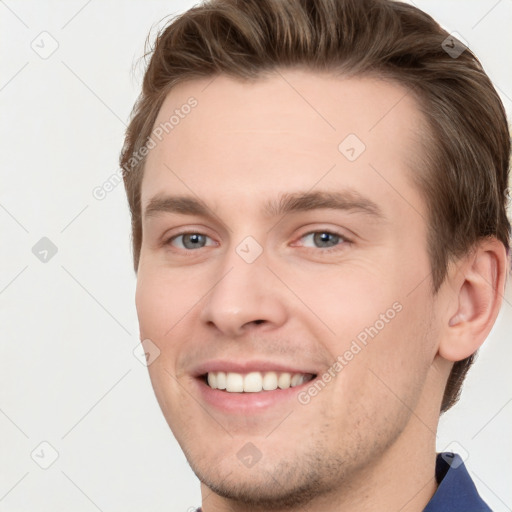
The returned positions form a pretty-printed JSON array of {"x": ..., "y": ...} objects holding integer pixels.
[{"x": 245, "y": 297}]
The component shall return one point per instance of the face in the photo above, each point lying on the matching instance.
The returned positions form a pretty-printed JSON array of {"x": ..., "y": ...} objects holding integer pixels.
[{"x": 284, "y": 261}]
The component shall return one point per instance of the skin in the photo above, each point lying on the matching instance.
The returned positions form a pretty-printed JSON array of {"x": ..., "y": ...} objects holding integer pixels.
[{"x": 367, "y": 440}]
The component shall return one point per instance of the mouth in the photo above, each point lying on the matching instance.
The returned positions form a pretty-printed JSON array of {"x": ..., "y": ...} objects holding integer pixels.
[
  {"x": 255, "y": 381},
  {"x": 251, "y": 387}
]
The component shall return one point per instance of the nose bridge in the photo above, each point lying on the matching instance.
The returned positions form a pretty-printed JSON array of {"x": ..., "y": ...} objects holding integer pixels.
[{"x": 243, "y": 292}]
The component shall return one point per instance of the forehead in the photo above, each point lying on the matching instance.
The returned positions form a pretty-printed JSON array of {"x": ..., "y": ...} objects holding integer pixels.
[{"x": 287, "y": 131}]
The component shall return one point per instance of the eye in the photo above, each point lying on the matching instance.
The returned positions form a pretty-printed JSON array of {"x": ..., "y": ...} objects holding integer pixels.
[
  {"x": 320, "y": 239},
  {"x": 325, "y": 239},
  {"x": 188, "y": 241}
]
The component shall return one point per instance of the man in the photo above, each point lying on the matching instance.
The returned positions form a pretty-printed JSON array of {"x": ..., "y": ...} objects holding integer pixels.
[{"x": 317, "y": 191}]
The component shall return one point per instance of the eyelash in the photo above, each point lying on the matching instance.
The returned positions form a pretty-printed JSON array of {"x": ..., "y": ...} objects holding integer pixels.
[{"x": 343, "y": 240}]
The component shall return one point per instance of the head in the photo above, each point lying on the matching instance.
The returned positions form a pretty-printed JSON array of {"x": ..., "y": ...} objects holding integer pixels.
[{"x": 272, "y": 101}]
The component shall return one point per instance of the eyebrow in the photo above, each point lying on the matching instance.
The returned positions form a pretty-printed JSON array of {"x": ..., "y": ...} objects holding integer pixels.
[{"x": 348, "y": 200}]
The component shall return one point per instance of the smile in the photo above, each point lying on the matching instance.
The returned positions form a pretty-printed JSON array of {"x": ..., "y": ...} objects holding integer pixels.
[{"x": 255, "y": 382}]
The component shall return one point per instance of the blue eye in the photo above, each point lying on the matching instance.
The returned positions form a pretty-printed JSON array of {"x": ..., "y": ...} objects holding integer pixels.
[
  {"x": 325, "y": 239},
  {"x": 320, "y": 239},
  {"x": 190, "y": 241}
]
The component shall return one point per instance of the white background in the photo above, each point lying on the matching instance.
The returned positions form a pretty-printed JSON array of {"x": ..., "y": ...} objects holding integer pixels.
[{"x": 67, "y": 372}]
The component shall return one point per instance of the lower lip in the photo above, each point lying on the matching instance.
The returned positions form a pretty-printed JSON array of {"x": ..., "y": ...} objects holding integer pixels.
[{"x": 247, "y": 403}]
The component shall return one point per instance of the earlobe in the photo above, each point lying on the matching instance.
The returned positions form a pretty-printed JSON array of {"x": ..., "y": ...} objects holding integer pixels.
[{"x": 479, "y": 295}]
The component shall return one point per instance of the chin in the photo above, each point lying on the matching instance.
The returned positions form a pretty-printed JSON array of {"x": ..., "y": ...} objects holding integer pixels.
[
  {"x": 262, "y": 490},
  {"x": 270, "y": 483}
]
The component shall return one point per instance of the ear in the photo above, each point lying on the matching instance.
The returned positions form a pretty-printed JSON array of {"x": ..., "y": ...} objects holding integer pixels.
[{"x": 478, "y": 283}]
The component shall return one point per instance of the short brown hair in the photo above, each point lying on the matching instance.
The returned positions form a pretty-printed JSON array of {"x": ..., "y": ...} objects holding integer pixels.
[{"x": 465, "y": 175}]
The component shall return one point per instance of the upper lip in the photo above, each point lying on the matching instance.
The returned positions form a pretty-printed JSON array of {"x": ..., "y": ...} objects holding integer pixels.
[{"x": 248, "y": 366}]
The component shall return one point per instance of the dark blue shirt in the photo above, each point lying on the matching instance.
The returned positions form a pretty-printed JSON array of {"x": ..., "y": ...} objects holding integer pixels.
[{"x": 456, "y": 492}]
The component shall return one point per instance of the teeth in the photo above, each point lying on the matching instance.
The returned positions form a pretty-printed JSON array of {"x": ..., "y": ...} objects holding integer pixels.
[
  {"x": 221, "y": 380},
  {"x": 270, "y": 381},
  {"x": 212, "y": 380},
  {"x": 284, "y": 380},
  {"x": 234, "y": 382},
  {"x": 296, "y": 380},
  {"x": 254, "y": 382}
]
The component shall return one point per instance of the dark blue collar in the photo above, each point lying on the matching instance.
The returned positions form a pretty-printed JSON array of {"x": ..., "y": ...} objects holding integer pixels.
[{"x": 456, "y": 492}]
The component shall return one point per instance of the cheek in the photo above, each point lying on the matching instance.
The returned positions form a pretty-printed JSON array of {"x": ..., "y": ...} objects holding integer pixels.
[
  {"x": 386, "y": 343},
  {"x": 348, "y": 301},
  {"x": 150, "y": 308},
  {"x": 400, "y": 341},
  {"x": 395, "y": 363},
  {"x": 161, "y": 300}
]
